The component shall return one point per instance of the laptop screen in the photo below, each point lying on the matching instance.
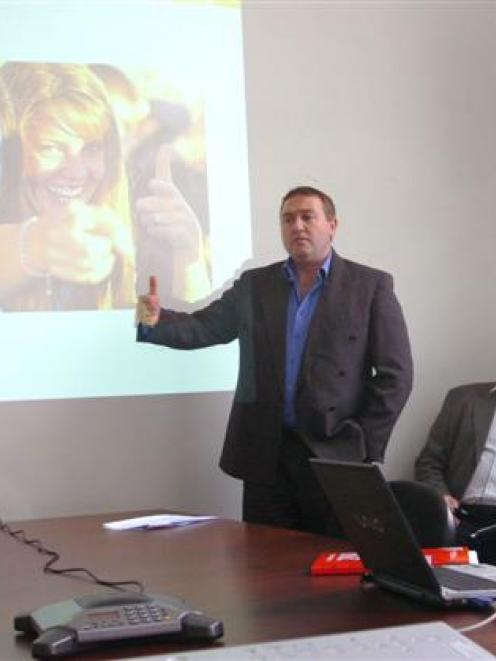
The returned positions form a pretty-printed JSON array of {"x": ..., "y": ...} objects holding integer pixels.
[{"x": 373, "y": 522}]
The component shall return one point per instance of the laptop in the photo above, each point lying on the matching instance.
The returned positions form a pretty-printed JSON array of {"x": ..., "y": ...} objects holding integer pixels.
[{"x": 376, "y": 526}]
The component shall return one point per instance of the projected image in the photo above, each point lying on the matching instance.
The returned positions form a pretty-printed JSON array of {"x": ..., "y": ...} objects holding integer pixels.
[
  {"x": 103, "y": 184},
  {"x": 120, "y": 158}
]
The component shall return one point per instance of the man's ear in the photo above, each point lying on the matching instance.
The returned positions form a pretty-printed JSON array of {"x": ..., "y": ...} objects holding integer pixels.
[{"x": 334, "y": 226}]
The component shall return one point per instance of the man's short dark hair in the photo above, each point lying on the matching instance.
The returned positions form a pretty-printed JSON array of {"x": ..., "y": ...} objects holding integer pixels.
[{"x": 309, "y": 191}]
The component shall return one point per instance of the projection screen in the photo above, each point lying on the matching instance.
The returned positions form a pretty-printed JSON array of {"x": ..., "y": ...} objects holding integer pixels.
[{"x": 124, "y": 155}]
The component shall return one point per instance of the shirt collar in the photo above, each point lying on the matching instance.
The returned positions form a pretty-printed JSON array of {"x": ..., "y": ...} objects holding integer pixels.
[{"x": 289, "y": 268}]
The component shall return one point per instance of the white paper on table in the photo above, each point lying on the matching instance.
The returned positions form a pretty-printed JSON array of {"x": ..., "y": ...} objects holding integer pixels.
[{"x": 156, "y": 521}]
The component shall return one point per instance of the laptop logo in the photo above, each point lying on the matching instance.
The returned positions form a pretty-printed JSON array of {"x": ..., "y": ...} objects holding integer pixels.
[{"x": 368, "y": 522}]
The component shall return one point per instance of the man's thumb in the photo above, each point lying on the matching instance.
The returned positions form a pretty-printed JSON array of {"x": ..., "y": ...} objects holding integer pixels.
[{"x": 153, "y": 286}]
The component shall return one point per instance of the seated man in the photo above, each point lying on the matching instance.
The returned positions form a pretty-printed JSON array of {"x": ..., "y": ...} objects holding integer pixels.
[{"x": 459, "y": 457}]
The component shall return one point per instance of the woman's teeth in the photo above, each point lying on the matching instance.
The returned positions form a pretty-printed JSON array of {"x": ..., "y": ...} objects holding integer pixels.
[{"x": 66, "y": 193}]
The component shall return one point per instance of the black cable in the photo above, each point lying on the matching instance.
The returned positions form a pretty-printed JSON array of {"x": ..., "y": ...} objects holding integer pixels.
[
  {"x": 482, "y": 532},
  {"x": 20, "y": 536}
]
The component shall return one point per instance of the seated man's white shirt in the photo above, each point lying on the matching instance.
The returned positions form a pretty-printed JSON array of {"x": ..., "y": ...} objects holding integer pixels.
[{"x": 483, "y": 482}]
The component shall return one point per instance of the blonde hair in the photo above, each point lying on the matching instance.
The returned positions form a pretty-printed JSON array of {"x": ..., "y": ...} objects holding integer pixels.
[{"x": 8, "y": 169}]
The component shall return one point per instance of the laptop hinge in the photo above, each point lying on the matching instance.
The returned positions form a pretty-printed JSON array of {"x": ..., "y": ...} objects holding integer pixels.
[{"x": 414, "y": 591}]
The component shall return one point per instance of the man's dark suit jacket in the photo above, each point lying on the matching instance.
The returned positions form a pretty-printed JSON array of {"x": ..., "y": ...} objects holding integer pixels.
[
  {"x": 457, "y": 438},
  {"x": 356, "y": 366}
]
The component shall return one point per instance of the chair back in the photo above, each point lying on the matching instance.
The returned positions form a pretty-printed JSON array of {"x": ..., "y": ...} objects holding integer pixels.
[
  {"x": 477, "y": 528},
  {"x": 427, "y": 513}
]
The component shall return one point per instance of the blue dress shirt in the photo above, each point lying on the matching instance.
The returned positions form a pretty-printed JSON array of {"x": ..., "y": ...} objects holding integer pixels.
[{"x": 300, "y": 313}]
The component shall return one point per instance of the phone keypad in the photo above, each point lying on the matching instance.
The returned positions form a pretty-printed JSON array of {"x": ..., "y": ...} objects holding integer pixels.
[
  {"x": 129, "y": 620},
  {"x": 137, "y": 614}
]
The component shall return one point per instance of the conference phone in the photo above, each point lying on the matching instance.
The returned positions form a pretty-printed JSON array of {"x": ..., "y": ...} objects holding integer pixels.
[{"x": 85, "y": 622}]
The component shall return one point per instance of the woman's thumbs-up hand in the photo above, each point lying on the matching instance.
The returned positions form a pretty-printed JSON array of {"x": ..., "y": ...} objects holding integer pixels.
[{"x": 166, "y": 216}]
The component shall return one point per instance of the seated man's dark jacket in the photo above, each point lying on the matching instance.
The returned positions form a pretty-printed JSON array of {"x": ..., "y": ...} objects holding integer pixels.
[
  {"x": 356, "y": 365},
  {"x": 457, "y": 438}
]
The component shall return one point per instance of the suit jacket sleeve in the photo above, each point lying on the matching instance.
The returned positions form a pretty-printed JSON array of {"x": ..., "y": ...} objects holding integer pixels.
[
  {"x": 431, "y": 466},
  {"x": 389, "y": 381},
  {"x": 217, "y": 323}
]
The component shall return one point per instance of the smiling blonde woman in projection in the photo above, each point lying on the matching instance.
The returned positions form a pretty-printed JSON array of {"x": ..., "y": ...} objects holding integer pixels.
[{"x": 65, "y": 229}]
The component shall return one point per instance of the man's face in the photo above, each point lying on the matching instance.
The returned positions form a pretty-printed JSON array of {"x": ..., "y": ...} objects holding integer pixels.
[{"x": 306, "y": 231}]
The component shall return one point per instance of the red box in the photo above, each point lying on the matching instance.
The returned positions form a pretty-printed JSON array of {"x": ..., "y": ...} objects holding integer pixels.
[{"x": 348, "y": 562}]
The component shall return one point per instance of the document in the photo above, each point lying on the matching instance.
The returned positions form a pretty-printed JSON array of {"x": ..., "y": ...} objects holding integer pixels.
[{"x": 156, "y": 521}]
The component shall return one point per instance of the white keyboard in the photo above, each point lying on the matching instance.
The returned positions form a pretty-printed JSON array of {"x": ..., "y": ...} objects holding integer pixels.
[{"x": 420, "y": 642}]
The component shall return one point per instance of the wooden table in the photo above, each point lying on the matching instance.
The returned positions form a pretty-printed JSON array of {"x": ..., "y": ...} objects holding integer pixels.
[{"x": 253, "y": 578}]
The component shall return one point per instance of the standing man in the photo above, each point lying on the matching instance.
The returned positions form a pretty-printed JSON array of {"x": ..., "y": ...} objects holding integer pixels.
[{"x": 325, "y": 364}]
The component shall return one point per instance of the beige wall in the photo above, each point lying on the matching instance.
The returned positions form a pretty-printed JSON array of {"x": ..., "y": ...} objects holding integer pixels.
[{"x": 391, "y": 107}]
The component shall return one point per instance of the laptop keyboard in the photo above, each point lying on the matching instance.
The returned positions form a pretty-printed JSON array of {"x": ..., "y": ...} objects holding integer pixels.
[{"x": 455, "y": 580}]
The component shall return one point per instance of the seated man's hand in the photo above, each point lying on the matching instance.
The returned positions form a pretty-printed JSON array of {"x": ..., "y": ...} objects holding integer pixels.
[{"x": 452, "y": 502}]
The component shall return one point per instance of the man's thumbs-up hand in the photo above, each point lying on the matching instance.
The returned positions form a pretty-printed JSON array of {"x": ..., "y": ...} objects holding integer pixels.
[
  {"x": 152, "y": 287},
  {"x": 148, "y": 306}
]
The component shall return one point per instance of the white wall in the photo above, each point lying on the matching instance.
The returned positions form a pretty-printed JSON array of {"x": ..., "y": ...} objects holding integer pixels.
[{"x": 391, "y": 107}]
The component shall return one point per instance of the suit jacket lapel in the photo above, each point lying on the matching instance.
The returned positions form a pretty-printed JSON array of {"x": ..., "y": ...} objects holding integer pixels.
[
  {"x": 323, "y": 324},
  {"x": 274, "y": 305}
]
